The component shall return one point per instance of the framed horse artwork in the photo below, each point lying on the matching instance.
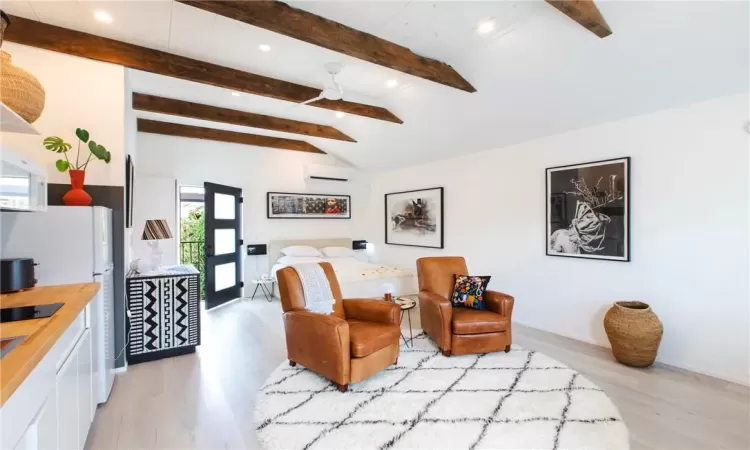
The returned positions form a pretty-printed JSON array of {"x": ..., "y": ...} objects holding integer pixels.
[{"x": 415, "y": 218}]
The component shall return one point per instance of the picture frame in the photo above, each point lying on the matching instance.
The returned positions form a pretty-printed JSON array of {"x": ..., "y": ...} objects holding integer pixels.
[
  {"x": 587, "y": 210},
  {"x": 129, "y": 191},
  {"x": 287, "y": 205},
  {"x": 415, "y": 218}
]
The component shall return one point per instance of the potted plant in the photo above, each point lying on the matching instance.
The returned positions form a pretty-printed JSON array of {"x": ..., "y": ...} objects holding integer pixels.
[{"x": 76, "y": 196}]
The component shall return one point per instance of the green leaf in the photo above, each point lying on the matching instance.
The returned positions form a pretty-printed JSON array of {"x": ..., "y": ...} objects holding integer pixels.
[
  {"x": 62, "y": 165},
  {"x": 108, "y": 158},
  {"x": 82, "y": 134},
  {"x": 98, "y": 150},
  {"x": 56, "y": 144}
]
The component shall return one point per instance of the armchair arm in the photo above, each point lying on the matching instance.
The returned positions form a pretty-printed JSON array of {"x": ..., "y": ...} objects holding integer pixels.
[
  {"x": 319, "y": 342},
  {"x": 499, "y": 303},
  {"x": 435, "y": 312},
  {"x": 372, "y": 310}
]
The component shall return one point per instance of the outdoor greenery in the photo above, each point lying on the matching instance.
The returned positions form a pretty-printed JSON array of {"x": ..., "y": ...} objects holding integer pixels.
[
  {"x": 194, "y": 230},
  {"x": 58, "y": 145}
]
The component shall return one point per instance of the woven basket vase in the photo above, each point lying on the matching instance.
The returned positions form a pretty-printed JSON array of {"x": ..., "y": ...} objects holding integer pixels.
[
  {"x": 20, "y": 90},
  {"x": 634, "y": 331}
]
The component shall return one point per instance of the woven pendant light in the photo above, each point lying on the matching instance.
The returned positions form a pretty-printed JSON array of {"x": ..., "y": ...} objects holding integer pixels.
[
  {"x": 19, "y": 90},
  {"x": 4, "y": 22}
]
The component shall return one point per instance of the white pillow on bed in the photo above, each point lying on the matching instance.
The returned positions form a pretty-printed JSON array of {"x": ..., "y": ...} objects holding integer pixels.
[
  {"x": 301, "y": 250},
  {"x": 338, "y": 252},
  {"x": 292, "y": 260}
]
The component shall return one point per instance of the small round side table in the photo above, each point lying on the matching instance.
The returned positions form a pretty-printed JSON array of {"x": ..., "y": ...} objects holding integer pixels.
[
  {"x": 264, "y": 289},
  {"x": 407, "y": 305}
]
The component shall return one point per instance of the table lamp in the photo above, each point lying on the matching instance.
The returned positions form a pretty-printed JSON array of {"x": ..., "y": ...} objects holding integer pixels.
[{"x": 153, "y": 232}]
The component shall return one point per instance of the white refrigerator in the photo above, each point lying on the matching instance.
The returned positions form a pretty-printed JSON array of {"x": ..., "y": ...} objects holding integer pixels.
[{"x": 72, "y": 244}]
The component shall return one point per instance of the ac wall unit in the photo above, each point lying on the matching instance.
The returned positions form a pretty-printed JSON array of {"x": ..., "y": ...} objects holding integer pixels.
[{"x": 328, "y": 173}]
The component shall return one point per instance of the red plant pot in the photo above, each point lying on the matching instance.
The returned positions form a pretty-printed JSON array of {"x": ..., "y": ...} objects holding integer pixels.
[{"x": 76, "y": 196}]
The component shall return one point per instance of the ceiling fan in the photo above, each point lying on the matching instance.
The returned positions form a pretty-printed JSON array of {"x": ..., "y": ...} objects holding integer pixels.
[{"x": 335, "y": 92}]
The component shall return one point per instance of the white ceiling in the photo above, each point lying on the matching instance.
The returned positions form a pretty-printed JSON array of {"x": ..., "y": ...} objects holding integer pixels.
[{"x": 537, "y": 74}]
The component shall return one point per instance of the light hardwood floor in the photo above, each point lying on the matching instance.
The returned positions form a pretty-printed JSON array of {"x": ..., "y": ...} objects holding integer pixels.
[{"x": 206, "y": 400}]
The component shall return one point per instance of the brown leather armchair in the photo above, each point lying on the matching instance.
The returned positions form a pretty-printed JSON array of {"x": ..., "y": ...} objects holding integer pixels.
[
  {"x": 359, "y": 339},
  {"x": 460, "y": 331}
]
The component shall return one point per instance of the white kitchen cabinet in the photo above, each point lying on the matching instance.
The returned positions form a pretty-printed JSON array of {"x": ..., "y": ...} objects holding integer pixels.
[
  {"x": 54, "y": 407},
  {"x": 75, "y": 403},
  {"x": 87, "y": 405},
  {"x": 28, "y": 440},
  {"x": 47, "y": 424},
  {"x": 67, "y": 403},
  {"x": 42, "y": 433}
]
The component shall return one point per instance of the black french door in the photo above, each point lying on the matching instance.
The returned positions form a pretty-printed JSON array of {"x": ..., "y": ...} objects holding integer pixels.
[{"x": 223, "y": 244}]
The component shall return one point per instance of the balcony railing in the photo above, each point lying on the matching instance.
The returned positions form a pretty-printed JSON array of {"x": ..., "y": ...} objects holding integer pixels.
[{"x": 193, "y": 252}]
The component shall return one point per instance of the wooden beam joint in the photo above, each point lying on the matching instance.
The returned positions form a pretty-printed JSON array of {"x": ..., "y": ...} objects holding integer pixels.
[{"x": 585, "y": 13}]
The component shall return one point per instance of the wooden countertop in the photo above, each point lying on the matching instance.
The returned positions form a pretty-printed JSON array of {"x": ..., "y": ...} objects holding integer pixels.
[{"x": 41, "y": 334}]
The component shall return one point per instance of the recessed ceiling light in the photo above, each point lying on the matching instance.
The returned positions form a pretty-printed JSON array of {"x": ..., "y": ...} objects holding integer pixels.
[
  {"x": 340, "y": 114},
  {"x": 486, "y": 27},
  {"x": 103, "y": 16},
  {"x": 264, "y": 47},
  {"x": 235, "y": 94},
  {"x": 391, "y": 83}
]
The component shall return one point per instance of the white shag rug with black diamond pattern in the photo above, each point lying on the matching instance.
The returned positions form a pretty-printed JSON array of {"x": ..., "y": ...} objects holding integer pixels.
[{"x": 521, "y": 399}]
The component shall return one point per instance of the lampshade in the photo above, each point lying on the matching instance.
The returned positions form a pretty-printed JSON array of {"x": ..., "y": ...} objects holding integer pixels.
[{"x": 156, "y": 229}]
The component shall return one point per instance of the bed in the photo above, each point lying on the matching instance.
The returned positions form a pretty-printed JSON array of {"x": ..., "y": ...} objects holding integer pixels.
[{"x": 358, "y": 279}]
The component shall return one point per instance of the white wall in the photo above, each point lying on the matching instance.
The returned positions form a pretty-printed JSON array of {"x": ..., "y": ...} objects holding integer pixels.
[
  {"x": 130, "y": 128},
  {"x": 689, "y": 230},
  {"x": 80, "y": 93},
  {"x": 257, "y": 171},
  {"x": 154, "y": 198}
]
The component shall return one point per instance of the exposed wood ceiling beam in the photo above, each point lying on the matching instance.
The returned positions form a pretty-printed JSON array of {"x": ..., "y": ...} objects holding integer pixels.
[
  {"x": 212, "y": 134},
  {"x": 585, "y": 13},
  {"x": 296, "y": 23},
  {"x": 163, "y": 105},
  {"x": 63, "y": 40}
]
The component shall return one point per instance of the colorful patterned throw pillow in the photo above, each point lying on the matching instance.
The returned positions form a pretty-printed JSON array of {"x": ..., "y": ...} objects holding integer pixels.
[{"x": 468, "y": 292}]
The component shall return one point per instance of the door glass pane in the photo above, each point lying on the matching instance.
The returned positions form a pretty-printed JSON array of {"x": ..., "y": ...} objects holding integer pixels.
[
  {"x": 224, "y": 241},
  {"x": 224, "y": 275},
  {"x": 223, "y": 206}
]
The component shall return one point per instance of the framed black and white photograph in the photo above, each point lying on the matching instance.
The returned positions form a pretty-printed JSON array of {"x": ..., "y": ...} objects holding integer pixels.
[
  {"x": 283, "y": 205},
  {"x": 415, "y": 218},
  {"x": 588, "y": 210},
  {"x": 129, "y": 190}
]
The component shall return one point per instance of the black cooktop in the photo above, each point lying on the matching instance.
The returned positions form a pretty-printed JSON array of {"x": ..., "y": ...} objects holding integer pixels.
[{"x": 28, "y": 312}]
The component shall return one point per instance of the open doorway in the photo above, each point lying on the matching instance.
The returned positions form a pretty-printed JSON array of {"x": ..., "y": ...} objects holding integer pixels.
[{"x": 192, "y": 230}]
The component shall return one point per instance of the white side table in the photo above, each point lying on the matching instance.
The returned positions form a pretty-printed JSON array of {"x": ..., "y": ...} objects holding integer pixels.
[{"x": 264, "y": 288}]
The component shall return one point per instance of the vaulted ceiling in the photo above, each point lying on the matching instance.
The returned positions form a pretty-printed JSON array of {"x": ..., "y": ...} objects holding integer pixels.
[{"x": 537, "y": 73}]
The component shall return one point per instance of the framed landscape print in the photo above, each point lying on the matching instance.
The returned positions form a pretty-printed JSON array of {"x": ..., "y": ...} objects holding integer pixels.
[
  {"x": 588, "y": 210},
  {"x": 281, "y": 205},
  {"x": 415, "y": 218}
]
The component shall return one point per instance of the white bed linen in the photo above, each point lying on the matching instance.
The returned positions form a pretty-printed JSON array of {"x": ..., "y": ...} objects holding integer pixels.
[{"x": 359, "y": 279}]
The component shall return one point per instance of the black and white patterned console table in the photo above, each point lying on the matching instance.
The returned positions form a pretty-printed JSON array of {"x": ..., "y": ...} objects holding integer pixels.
[{"x": 164, "y": 313}]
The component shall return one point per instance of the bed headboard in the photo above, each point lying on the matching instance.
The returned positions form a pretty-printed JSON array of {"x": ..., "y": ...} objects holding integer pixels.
[{"x": 274, "y": 247}]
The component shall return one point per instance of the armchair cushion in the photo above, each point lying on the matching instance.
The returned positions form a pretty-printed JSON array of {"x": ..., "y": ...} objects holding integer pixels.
[
  {"x": 368, "y": 337},
  {"x": 472, "y": 321},
  {"x": 468, "y": 292}
]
